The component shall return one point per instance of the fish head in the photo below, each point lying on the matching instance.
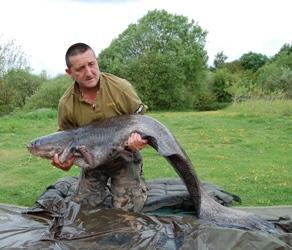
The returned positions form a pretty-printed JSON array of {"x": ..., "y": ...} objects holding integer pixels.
[{"x": 60, "y": 143}]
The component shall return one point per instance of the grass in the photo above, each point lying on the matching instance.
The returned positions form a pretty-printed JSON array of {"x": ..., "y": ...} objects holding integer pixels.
[
  {"x": 262, "y": 107},
  {"x": 248, "y": 155}
]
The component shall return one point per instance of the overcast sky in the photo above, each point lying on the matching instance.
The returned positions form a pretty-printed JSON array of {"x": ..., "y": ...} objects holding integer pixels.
[{"x": 46, "y": 28}]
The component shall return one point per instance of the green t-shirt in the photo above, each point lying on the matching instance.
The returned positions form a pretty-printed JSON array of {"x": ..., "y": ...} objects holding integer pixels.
[{"x": 116, "y": 96}]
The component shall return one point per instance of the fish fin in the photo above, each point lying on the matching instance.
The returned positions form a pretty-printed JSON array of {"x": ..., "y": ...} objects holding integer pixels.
[{"x": 88, "y": 156}]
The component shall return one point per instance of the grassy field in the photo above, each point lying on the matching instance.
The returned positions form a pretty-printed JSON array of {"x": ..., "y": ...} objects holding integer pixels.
[{"x": 248, "y": 155}]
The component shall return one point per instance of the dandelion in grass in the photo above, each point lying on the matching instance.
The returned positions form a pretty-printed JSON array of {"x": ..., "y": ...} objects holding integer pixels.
[
  {"x": 225, "y": 139},
  {"x": 219, "y": 157}
]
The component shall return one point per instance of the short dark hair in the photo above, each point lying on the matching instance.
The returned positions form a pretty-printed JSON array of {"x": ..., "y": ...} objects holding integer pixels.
[{"x": 76, "y": 49}]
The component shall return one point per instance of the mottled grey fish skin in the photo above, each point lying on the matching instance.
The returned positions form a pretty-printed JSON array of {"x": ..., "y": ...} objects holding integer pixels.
[
  {"x": 232, "y": 218},
  {"x": 102, "y": 141}
]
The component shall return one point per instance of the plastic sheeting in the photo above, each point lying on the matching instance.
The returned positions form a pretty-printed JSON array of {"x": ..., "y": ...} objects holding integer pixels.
[
  {"x": 57, "y": 223},
  {"x": 163, "y": 193},
  {"x": 67, "y": 225}
]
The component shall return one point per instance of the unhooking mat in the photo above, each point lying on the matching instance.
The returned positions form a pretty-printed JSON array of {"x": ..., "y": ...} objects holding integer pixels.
[{"x": 57, "y": 223}]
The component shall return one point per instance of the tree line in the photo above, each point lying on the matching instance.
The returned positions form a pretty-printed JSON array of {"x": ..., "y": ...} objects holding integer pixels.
[{"x": 163, "y": 55}]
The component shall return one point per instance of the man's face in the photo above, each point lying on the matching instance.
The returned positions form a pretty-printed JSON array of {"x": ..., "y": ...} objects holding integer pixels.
[{"x": 84, "y": 70}]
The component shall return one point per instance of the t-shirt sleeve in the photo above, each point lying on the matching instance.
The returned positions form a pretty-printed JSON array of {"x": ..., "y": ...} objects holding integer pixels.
[{"x": 130, "y": 102}]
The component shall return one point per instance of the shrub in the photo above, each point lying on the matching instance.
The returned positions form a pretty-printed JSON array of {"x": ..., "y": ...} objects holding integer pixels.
[{"x": 49, "y": 94}]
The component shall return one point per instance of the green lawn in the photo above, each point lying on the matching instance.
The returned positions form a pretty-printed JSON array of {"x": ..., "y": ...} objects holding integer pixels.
[{"x": 248, "y": 155}]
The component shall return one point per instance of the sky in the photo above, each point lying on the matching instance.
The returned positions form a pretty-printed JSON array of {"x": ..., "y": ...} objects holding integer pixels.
[{"x": 46, "y": 28}]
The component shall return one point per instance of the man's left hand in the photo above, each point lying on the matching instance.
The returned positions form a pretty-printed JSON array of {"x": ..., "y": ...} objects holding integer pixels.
[{"x": 136, "y": 143}]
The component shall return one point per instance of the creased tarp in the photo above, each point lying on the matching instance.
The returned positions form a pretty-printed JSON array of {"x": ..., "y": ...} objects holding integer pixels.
[
  {"x": 163, "y": 193},
  {"x": 58, "y": 223},
  {"x": 67, "y": 225},
  {"x": 279, "y": 215}
]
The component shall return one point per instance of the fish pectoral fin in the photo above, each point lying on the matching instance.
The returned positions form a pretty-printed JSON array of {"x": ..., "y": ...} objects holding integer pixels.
[
  {"x": 87, "y": 155},
  {"x": 151, "y": 141}
]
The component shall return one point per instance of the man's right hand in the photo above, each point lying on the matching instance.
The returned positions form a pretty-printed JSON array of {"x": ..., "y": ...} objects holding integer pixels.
[{"x": 66, "y": 165}]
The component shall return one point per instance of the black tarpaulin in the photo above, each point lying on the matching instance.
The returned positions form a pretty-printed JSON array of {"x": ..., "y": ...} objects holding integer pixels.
[
  {"x": 67, "y": 225},
  {"x": 58, "y": 223}
]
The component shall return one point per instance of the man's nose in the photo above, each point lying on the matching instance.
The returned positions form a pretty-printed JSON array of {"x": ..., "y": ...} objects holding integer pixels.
[{"x": 87, "y": 71}]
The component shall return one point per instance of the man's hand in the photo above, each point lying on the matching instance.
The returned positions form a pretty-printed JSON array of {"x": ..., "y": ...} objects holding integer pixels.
[
  {"x": 66, "y": 165},
  {"x": 135, "y": 142}
]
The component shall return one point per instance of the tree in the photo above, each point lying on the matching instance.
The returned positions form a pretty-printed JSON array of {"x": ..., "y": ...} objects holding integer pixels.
[
  {"x": 205, "y": 99},
  {"x": 252, "y": 61},
  {"x": 11, "y": 56},
  {"x": 233, "y": 67},
  {"x": 162, "y": 55},
  {"x": 285, "y": 48},
  {"x": 15, "y": 87},
  {"x": 222, "y": 79},
  {"x": 219, "y": 59},
  {"x": 277, "y": 75},
  {"x": 239, "y": 85},
  {"x": 16, "y": 82}
]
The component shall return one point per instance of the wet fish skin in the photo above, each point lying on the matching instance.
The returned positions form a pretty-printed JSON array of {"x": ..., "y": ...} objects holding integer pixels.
[
  {"x": 102, "y": 141},
  {"x": 232, "y": 218}
]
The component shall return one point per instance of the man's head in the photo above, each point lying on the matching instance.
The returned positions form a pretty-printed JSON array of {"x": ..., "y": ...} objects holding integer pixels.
[{"x": 82, "y": 65}]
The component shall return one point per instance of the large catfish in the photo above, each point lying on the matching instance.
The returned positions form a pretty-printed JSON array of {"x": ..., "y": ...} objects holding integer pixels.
[{"x": 100, "y": 142}]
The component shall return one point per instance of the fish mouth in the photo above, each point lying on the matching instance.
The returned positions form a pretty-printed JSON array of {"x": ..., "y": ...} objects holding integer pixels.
[
  {"x": 33, "y": 149},
  {"x": 36, "y": 150}
]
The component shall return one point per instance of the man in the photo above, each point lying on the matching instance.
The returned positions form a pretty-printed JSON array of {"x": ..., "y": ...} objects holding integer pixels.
[{"x": 93, "y": 96}]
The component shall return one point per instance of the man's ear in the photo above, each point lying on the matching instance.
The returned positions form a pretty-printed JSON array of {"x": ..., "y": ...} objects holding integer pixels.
[{"x": 68, "y": 71}]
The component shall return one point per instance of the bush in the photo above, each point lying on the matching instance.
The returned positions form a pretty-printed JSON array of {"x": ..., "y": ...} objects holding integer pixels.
[
  {"x": 15, "y": 87},
  {"x": 204, "y": 100},
  {"x": 277, "y": 74},
  {"x": 49, "y": 94}
]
